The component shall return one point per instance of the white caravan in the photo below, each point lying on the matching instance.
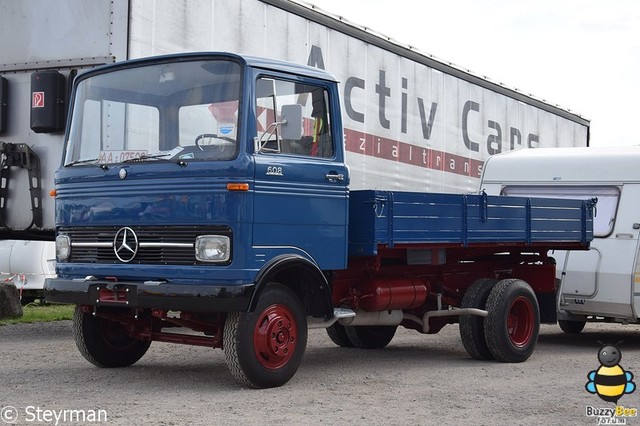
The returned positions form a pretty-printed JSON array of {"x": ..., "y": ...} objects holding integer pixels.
[{"x": 602, "y": 284}]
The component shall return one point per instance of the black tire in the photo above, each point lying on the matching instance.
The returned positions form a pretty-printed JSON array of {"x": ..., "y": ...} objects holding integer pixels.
[
  {"x": 513, "y": 323},
  {"x": 338, "y": 335},
  {"x": 370, "y": 336},
  {"x": 571, "y": 327},
  {"x": 472, "y": 326},
  {"x": 264, "y": 348},
  {"x": 106, "y": 343},
  {"x": 26, "y": 300}
]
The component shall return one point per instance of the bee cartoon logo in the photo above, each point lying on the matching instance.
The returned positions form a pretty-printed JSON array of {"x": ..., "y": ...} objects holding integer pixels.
[{"x": 610, "y": 381}]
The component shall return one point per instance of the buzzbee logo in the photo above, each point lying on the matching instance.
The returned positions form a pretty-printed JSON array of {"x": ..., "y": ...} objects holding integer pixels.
[{"x": 610, "y": 381}]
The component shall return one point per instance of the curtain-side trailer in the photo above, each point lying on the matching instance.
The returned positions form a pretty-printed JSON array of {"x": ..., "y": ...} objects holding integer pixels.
[{"x": 411, "y": 121}]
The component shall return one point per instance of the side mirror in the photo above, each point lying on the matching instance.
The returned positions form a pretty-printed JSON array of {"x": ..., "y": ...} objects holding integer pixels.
[
  {"x": 289, "y": 127},
  {"x": 291, "y": 121}
]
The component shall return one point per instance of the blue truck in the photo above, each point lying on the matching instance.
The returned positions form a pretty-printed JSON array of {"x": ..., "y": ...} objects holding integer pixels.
[{"x": 209, "y": 192}]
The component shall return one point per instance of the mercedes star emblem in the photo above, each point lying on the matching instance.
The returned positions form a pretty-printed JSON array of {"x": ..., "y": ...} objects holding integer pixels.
[{"x": 125, "y": 244}]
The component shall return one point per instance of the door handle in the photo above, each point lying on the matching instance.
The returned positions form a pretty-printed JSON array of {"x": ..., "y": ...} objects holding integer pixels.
[{"x": 334, "y": 177}]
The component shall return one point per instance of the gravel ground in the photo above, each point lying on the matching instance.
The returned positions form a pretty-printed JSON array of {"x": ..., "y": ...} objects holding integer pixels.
[{"x": 417, "y": 380}]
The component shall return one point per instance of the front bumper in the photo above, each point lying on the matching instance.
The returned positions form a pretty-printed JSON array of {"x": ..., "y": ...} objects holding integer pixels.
[{"x": 165, "y": 296}]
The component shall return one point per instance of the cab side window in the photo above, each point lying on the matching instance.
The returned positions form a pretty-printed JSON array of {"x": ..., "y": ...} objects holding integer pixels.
[{"x": 272, "y": 95}]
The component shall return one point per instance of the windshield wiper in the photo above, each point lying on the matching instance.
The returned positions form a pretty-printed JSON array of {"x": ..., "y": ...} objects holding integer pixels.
[
  {"x": 159, "y": 156},
  {"x": 90, "y": 160},
  {"x": 144, "y": 157}
]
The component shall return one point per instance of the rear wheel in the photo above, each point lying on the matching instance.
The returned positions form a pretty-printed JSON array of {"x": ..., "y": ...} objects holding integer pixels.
[
  {"x": 370, "y": 336},
  {"x": 513, "y": 321},
  {"x": 338, "y": 335},
  {"x": 571, "y": 327},
  {"x": 264, "y": 348},
  {"x": 106, "y": 343},
  {"x": 472, "y": 326},
  {"x": 25, "y": 300}
]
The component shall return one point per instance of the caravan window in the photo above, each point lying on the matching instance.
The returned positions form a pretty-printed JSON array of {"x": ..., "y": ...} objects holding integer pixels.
[{"x": 606, "y": 208}]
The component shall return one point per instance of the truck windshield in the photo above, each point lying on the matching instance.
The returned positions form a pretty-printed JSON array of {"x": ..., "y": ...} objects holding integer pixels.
[{"x": 178, "y": 110}]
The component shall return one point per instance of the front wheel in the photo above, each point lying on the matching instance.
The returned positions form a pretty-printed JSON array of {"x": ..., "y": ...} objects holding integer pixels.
[
  {"x": 513, "y": 321},
  {"x": 264, "y": 348},
  {"x": 106, "y": 343}
]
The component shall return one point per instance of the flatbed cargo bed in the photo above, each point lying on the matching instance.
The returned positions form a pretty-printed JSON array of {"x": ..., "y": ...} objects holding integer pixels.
[{"x": 390, "y": 219}]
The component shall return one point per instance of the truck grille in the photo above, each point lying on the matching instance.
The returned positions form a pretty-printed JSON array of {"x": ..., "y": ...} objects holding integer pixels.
[{"x": 170, "y": 245}]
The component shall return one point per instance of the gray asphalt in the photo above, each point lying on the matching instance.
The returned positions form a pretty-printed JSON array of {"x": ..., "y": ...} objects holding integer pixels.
[{"x": 418, "y": 379}]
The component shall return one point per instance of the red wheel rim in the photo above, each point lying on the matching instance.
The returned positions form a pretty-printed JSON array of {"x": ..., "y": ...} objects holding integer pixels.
[
  {"x": 275, "y": 336},
  {"x": 520, "y": 321}
]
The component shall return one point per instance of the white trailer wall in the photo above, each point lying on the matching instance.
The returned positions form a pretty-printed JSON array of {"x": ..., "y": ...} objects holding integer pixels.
[
  {"x": 38, "y": 35},
  {"x": 410, "y": 123},
  {"x": 405, "y": 114}
]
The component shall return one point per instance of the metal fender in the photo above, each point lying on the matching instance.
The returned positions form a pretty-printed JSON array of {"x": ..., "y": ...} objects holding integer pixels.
[{"x": 300, "y": 275}]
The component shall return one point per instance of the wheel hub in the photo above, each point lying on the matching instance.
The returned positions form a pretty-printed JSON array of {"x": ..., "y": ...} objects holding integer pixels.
[
  {"x": 275, "y": 336},
  {"x": 520, "y": 321}
]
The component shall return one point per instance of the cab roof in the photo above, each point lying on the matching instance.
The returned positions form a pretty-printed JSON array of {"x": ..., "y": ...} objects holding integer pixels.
[{"x": 246, "y": 60}]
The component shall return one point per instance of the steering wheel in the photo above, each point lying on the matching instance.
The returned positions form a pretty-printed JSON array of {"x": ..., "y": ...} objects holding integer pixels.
[{"x": 219, "y": 147}]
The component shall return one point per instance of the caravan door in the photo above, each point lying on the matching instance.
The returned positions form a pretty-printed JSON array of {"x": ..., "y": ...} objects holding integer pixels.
[{"x": 598, "y": 281}]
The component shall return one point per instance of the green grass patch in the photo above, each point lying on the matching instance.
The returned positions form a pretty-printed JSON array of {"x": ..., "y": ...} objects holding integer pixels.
[{"x": 34, "y": 312}]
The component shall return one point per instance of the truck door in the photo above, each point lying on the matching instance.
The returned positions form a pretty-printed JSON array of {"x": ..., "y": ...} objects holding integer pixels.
[{"x": 301, "y": 180}]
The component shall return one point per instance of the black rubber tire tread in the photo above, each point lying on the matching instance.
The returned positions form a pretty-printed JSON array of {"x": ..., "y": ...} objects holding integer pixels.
[
  {"x": 571, "y": 327},
  {"x": 231, "y": 325},
  {"x": 472, "y": 326},
  {"x": 495, "y": 324},
  {"x": 338, "y": 335},
  {"x": 101, "y": 350},
  {"x": 370, "y": 336},
  {"x": 26, "y": 300},
  {"x": 238, "y": 344}
]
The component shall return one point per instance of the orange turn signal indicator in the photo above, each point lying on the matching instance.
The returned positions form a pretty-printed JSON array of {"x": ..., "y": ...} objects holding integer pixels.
[
  {"x": 53, "y": 193},
  {"x": 237, "y": 186}
]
